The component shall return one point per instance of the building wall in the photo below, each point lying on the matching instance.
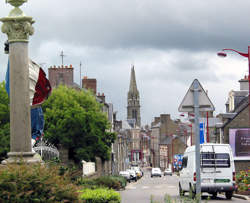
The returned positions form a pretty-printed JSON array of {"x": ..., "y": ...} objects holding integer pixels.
[
  {"x": 240, "y": 121},
  {"x": 155, "y": 155}
]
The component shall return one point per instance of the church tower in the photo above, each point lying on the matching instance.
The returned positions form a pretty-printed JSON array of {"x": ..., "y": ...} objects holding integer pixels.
[{"x": 133, "y": 108}]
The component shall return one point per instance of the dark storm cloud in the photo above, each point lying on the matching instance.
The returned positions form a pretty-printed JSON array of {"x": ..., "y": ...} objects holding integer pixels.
[
  {"x": 170, "y": 43},
  {"x": 191, "y": 25}
]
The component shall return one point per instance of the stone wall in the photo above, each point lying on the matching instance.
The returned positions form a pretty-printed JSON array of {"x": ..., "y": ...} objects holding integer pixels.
[
  {"x": 242, "y": 165},
  {"x": 63, "y": 154}
]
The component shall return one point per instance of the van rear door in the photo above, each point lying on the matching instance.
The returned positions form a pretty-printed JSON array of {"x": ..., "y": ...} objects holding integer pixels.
[
  {"x": 224, "y": 169},
  {"x": 208, "y": 170}
]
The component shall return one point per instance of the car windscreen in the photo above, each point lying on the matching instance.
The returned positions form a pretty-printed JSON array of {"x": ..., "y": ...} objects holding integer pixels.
[{"x": 215, "y": 160}]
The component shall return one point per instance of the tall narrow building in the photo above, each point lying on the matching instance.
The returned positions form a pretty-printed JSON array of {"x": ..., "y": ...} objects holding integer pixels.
[{"x": 133, "y": 108}]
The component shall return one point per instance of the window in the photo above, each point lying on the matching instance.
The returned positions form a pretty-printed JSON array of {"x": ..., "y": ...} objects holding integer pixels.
[
  {"x": 134, "y": 114},
  {"x": 184, "y": 162},
  {"x": 215, "y": 160}
]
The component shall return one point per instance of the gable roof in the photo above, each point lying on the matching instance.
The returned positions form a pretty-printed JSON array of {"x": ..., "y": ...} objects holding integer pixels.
[{"x": 242, "y": 106}]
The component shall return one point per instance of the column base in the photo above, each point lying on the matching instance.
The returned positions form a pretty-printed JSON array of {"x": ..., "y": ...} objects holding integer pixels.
[{"x": 22, "y": 157}]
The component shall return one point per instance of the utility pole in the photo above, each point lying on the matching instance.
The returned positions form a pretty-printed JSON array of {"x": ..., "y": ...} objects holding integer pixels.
[
  {"x": 80, "y": 74},
  {"x": 197, "y": 139}
]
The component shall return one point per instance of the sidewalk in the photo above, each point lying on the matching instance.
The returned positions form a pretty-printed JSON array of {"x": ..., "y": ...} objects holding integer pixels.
[{"x": 245, "y": 197}]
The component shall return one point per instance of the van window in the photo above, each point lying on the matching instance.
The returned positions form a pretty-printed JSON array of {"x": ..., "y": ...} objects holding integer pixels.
[
  {"x": 215, "y": 160},
  {"x": 184, "y": 162}
]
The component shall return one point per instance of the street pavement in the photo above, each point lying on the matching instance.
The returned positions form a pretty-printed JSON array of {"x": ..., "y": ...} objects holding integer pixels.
[{"x": 156, "y": 188}]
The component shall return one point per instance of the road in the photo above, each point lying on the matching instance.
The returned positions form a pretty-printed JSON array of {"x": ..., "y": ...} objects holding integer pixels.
[{"x": 156, "y": 188}]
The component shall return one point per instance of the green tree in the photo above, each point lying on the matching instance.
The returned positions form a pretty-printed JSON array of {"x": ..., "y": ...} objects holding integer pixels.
[
  {"x": 4, "y": 122},
  {"x": 75, "y": 120}
]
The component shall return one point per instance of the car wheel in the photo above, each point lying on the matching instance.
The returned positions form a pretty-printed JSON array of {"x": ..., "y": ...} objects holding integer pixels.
[
  {"x": 214, "y": 195},
  {"x": 181, "y": 192},
  {"x": 229, "y": 195}
]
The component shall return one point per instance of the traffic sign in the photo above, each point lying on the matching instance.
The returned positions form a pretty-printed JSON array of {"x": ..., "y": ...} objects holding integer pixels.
[{"x": 187, "y": 104}]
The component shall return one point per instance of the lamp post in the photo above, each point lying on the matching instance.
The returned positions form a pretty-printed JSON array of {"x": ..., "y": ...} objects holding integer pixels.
[
  {"x": 247, "y": 55},
  {"x": 18, "y": 28},
  {"x": 190, "y": 125}
]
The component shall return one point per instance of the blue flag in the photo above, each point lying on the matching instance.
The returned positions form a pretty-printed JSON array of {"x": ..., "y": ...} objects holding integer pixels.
[
  {"x": 201, "y": 133},
  {"x": 7, "y": 79}
]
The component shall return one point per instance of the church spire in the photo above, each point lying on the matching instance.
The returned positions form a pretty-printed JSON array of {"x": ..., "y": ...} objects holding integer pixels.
[
  {"x": 133, "y": 108},
  {"x": 133, "y": 86}
]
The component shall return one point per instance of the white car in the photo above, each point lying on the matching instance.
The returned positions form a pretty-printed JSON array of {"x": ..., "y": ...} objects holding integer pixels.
[
  {"x": 125, "y": 174},
  {"x": 217, "y": 172},
  {"x": 167, "y": 171},
  {"x": 132, "y": 174},
  {"x": 156, "y": 172}
]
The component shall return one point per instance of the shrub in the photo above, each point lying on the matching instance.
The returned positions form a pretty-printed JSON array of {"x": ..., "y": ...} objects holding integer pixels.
[
  {"x": 100, "y": 195},
  {"x": 87, "y": 183},
  {"x": 35, "y": 183},
  {"x": 111, "y": 182},
  {"x": 243, "y": 180},
  {"x": 121, "y": 179}
]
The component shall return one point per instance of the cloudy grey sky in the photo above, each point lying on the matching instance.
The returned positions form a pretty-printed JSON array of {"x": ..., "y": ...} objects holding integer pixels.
[{"x": 170, "y": 43}]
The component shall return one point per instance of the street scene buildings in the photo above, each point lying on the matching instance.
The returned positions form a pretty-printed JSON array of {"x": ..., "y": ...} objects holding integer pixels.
[{"x": 63, "y": 124}]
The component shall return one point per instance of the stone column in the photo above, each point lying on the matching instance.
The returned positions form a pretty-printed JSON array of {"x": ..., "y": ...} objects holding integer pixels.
[{"x": 18, "y": 28}]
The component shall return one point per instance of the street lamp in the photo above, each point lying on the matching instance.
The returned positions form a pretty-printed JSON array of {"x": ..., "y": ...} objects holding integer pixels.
[{"x": 223, "y": 54}]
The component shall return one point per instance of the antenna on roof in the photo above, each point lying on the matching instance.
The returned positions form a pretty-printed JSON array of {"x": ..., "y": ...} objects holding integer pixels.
[
  {"x": 62, "y": 55},
  {"x": 80, "y": 74}
]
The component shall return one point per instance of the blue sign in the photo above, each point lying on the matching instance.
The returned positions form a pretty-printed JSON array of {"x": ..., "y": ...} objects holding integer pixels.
[
  {"x": 178, "y": 160},
  {"x": 201, "y": 133}
]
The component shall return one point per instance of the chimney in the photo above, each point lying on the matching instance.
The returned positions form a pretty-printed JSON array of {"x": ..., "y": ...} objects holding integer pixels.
[
  {"x": 89, "y": 83},
  {"x": 156, "y": 120},
  {"x": 244, "y": 83},
  {"x": 101, "y": 97},
  {"x": 164, "y": 118}
]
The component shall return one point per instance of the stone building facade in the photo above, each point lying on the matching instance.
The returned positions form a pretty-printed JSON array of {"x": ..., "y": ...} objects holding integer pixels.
[
  {"x": 165, "y": 141},
  {"x": 236, "y": 118}
]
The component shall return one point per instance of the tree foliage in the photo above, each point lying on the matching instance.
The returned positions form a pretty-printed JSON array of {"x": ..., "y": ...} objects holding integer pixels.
[
  {"x": 74, "y": 119},
  {"x": 4, "y": 122}
]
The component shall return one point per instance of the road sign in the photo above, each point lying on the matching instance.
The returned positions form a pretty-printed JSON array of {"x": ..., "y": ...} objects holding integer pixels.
[{"x": 187, "y": 104}]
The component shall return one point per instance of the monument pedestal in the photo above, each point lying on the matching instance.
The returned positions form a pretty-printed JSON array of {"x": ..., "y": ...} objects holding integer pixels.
[{"x": 22, "y": 157}]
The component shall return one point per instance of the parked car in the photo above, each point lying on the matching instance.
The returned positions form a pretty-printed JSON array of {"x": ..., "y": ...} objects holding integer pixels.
[
  {"x": 155, "y": 172},
  {"x": 133, "y": 175},
  {"x": 168, "y": 171},
  {"x": 217, "y": 170},
  {"x": 137, "y": 171},
  {"x": 125, "y": 174}
]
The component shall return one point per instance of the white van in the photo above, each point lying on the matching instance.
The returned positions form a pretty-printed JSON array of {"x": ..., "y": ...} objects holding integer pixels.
[{"x": 217, "y": 170}]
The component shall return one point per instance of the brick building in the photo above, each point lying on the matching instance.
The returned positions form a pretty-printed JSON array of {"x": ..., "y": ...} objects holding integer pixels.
[{"x": 61, "y": 75}]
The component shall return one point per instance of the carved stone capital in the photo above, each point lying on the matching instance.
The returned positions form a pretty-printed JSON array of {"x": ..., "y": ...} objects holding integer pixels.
[
  {"x": 18, "y": 29},
  {"x": 16, "y": 3}
]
